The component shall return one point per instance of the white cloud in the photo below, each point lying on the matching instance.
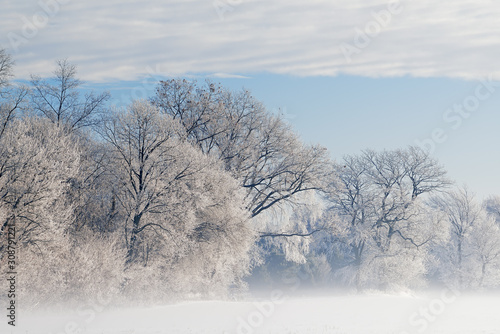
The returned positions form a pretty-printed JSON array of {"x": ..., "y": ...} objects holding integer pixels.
[
  {"x": 227, "y": 75},
  {"x": 120, "y": 40}
]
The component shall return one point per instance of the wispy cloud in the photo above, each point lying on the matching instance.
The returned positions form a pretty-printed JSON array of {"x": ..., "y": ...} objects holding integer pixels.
[
  {"x": 119, "y": 40},
  {"x": 227, "y": 75}
]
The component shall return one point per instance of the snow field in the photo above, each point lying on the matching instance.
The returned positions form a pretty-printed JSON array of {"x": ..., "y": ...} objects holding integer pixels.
[{"x": 442, "y": 312}]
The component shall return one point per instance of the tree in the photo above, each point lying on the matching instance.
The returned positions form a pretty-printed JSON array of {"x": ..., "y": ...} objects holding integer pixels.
[
  {"x": 6, "y": 65},
  {"x": 37, "y": 160},
  {"x": 259, "y": 149},
  {"x": 354, "y": 204},
  {"x": 160, "y": 180},
  {"x": 58, "y": 98},
  {"x": 470, "y": 257},
  {"x": 380, "y": 210},
  {"x": 92, "y": 191},
  {"x": 492, "y": 207},
  {"x": 145, "y": 150},
  {"x": 184, "y": 213},
  {"x": 462, "y": 212},
  {"x": 485, "y": 248},
  {"x": 11, "y": 98}
]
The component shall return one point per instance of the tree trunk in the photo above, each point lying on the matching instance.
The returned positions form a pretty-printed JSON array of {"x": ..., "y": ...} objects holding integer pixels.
[
  {"x": 131, "y": 253},
  {"x": 460, "y": 272},
  {"x": 483, "y": 273}
]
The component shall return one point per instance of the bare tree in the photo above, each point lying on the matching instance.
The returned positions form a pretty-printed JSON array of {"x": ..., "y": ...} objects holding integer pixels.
[
  {"x": 379, "y": 203},
  {"x": 6, "y": 66},
  {"x": 197, "y": 109},
  {"x": 59, "y": 98},
  {"x": 463, "y": 213},
  {"x": 11, "y": 98},
  {"x": 354, "y": 204},
  {"x": 401, "y": 176},
  {"x": 485, "y": 247}
]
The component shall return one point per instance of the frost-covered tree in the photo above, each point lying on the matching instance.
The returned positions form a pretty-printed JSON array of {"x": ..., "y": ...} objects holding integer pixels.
[
  {"x": 463, "y": 212},
  {"x": 303, "y": 219},
  {"x": 37, "y": 161},
  {"x": 258, "y": 148},
  {"x": 470, "y": 257},
  {"x": 82, "y": 270},
  {"x": 492, "y": 207},
  {"x": 184, "y": 213},
  {"x": 276, "y": 170},
  {"x": 6, "y": 64},
  {"x": 59, "y": 98},
  {"x": 92, "y": 192},
  {"x": 383, "y": 221},
  {"x": 11, "y": 97},
  {"x": 485, "y": 248},
  {"x": 145, "y": 149}
]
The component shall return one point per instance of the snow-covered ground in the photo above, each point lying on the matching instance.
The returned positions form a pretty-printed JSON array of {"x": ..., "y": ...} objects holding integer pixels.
[{"x": 439, "y": 312}]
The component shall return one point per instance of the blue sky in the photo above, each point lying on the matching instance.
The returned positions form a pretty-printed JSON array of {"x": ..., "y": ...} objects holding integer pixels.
[{"x": 349, "y": 74}]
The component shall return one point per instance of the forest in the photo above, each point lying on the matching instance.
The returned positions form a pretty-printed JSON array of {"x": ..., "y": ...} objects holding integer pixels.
[{"x": 201, "y": 192}]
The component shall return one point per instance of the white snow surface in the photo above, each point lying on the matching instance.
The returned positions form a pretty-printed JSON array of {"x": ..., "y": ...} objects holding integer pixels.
[{"x": 438, "y": 312}]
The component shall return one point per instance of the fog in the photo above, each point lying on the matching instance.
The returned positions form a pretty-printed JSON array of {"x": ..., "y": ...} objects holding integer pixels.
[{"x": 438, "y": 311}]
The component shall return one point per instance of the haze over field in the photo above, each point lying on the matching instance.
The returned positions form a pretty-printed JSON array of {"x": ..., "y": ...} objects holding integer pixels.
[{"x": 436, "y": 313}]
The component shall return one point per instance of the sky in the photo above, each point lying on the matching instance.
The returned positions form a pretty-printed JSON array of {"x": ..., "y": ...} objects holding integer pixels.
[{"x": 346, "y": 74}]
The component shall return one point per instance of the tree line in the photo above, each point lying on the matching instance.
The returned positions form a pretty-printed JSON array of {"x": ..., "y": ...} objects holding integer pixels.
[{"x": 188, "y": 193}]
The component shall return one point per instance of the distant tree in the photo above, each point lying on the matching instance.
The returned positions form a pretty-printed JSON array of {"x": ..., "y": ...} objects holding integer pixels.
[
  {"x": 485, "y": 248},
  {"x": 470, "y": 258},
  {"x": 492, "y": 207},
  {"x": 380, "y": 209},
  {"x": 355, "y": 206},
  {"x": 6, "y": 65},
  {"x": 11, "y": 98},
  {"x": 463, "y": 212},
  {"x": 59, "y": 100}
]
